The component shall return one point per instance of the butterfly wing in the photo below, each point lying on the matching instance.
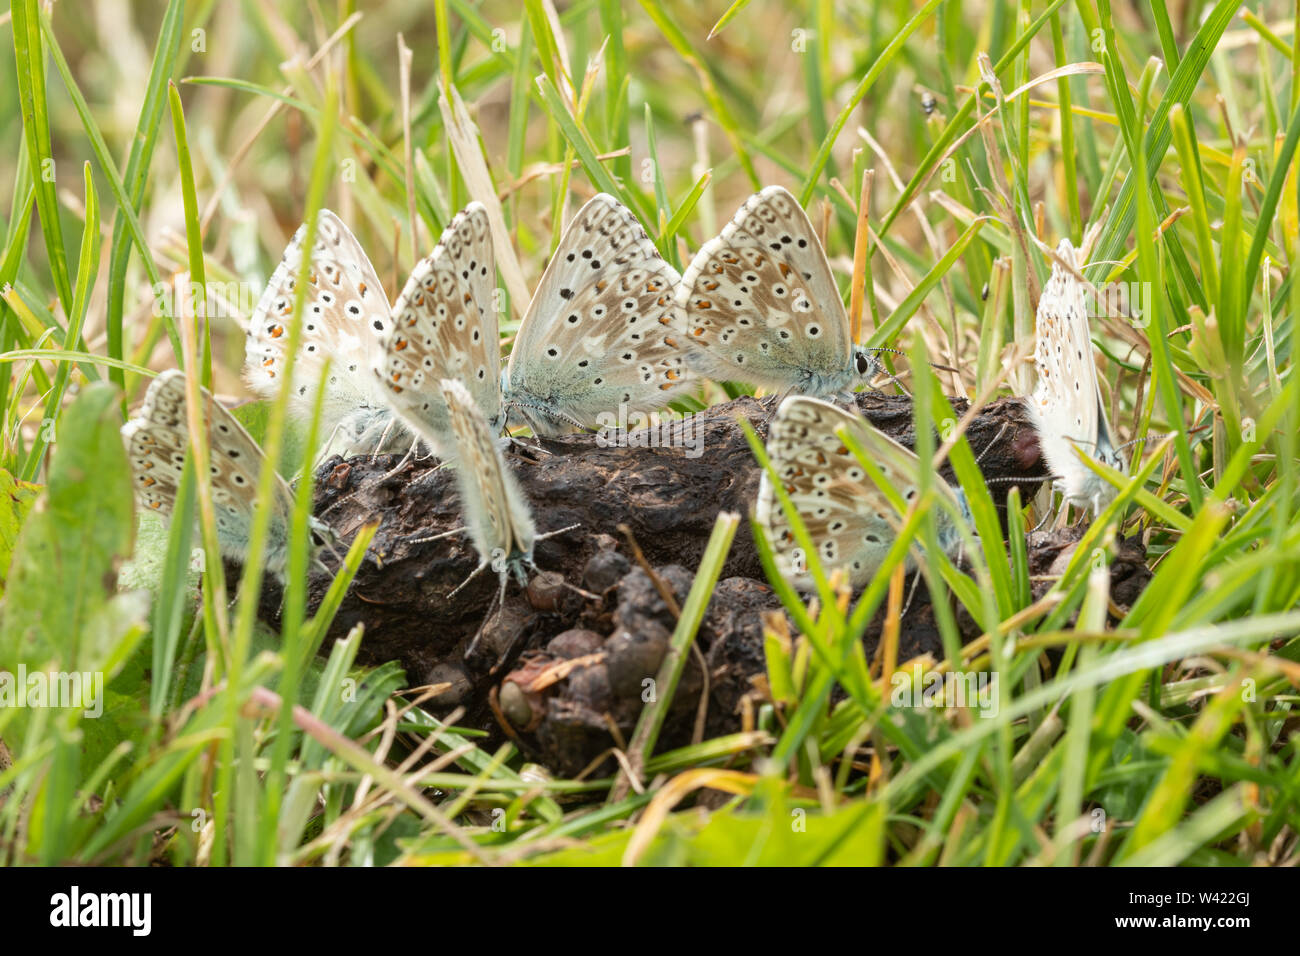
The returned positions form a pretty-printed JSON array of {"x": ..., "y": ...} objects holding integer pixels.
[
  {"x": 1066, "y": 406},
  {"x": 851, "y": 521},
  {"x": 156, "y": 442},
  {"x": 760, "y": 304},
  {"x": 445, "y": 326},
  {"x": 599, "y": 332},
  {"x": 345, "y": 319},
  {"x": 499, "y": 519}
]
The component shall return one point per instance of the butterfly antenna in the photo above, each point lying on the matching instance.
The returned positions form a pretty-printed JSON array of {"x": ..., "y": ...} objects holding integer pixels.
[
  {"x": 552, "y": 534},
  {"x": 548, "y": 412},
  {"x": 996, "y": 438},
  {"x": 892, "y": 378},
  {"x": 343, "y": 500},
  {"x": 438, "y": 537},
  {"x": 572, "y": 587},
  {"x": 1025, "y": 480},
  {"x": 579, "y": 591},
  {"x": 1158, "y": 436}
]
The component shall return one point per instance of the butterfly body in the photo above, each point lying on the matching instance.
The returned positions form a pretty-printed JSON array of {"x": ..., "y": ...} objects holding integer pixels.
[
  {"x": 157, "y": 440},
  {"x": 1066, "y": 407},
  {"x": 851, "y": 521},
  {"x": 496, "y": 513},
  {"x": 345, "y": 318},
  {"x": 759, "y": 304},
  {"x": 600, "y": 332}
]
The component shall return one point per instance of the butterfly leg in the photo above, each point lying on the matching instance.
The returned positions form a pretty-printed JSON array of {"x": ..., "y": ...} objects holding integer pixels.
[
  {"x": 893, "y": 380},
  {"x": 498, "y": 601},
  {"x": 375, "y": 483},
  {"x": 327, "y": 446},
  {"x": 916, "y": 579},
  {"x": 383, "y": 438},
  {"x": 410, "y": 454},
  {"x": 472, "y": 575},
  {"x": 319, "y": 566},
  {"x": 1047, "y": 516},
  {"x": 527, "y": 451}
]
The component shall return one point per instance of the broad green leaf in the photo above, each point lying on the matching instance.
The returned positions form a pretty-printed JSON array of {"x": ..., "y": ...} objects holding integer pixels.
[
  {"x": 16, "y": 499},
  {"x": 65, "y": 563}
]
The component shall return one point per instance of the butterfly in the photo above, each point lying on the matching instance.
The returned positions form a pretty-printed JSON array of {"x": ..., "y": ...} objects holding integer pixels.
[
  {"x": 759, "y": 305},
  {"x": 496, "y": 513},
  {"x": 345, "y": 319},
  {"x": 851, "y": 521},
  {"x": 156, "y": 442},
  {"x": 444, "y": 326},
  {"x": 601, "y": 330},
  {"x": 1066, "y": 407}
]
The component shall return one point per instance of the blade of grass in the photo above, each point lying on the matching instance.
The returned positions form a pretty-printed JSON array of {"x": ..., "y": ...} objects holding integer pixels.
[
  {"x": 109, "y": 169},
  {"x": 823, "y": 154},
  {"x": 652, "y": 718},
  {"x": 87, "y": 269},
  {"x": 678, "y": 40},
  {"x": 137, "y": 171},
  {"x": 29, "y": 55}
]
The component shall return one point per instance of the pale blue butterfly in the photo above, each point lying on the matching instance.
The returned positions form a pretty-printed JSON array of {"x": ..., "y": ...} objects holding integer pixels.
[
  {"x": 851, "y": 522},
  {"x": 598, "y": 333},
  {"x": 156, "y": 442},
  {"x": 1066, "y": 406},
  {"x": 759, "y": 305},
  {"x": 444, "y": 326},
  {"x": 601, "y": 330},
  {"x": 345, "y": 321}
]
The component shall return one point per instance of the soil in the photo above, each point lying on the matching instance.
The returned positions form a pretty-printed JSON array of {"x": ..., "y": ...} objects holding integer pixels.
[{"x": 563, "y": 672}]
